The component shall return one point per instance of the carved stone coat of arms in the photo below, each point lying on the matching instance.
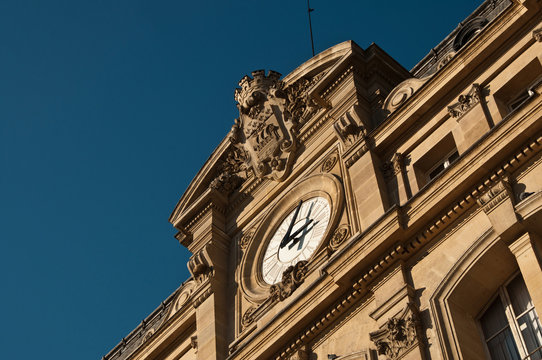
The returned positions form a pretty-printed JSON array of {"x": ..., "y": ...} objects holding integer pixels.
[{"x": 265, "y": 129}]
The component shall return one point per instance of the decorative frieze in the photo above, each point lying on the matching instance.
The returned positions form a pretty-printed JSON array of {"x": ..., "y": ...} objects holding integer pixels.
[
  {"x": 466, "y": 102},
  {"x": 292, "y": 278},
  {"x": 537, "y": 35},
  {"x": 445, "y": 60}
]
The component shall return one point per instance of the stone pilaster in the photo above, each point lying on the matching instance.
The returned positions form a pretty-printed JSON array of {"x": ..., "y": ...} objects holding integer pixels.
[
  {"x": 396, "y": 314},
  {"x": 527, "y": 250}
]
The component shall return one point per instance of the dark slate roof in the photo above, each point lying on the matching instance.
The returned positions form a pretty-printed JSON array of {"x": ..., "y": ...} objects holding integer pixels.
[{"x": 489, "y": 10}]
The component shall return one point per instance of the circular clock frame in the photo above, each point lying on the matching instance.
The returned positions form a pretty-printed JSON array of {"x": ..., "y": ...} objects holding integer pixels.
[{"x": 326, "y": 186}]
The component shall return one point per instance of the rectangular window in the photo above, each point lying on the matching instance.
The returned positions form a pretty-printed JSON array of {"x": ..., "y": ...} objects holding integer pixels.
[{"x": 510, "y": 326}]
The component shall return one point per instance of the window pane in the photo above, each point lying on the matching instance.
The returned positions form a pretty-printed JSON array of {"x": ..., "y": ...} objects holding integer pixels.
[
  {"x": 494, "y": 319},
  {"x": 517, "y": 291},
  {"x": 503, "y": 347},
  {"x": 529, "y": 325}
]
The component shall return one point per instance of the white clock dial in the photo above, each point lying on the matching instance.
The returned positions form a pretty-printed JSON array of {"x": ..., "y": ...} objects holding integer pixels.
[{"x": 296, "y": 238}]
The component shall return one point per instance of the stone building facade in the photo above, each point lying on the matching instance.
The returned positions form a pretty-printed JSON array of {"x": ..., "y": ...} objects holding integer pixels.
[{"x": 358, "y": 210}]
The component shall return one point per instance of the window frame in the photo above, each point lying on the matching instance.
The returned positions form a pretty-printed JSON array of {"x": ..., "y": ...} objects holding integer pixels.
[{"x": 511, "y": 317}]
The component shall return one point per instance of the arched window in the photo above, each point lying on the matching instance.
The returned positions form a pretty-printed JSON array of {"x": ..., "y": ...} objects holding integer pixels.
[{"x": 510, "y": 325}]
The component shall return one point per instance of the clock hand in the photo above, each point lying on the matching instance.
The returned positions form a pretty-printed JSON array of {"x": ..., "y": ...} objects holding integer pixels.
[
  {"x": 305, "y": 230},
  {"x": 301, "y": 228},
  {"x": 286, "y": 237}
]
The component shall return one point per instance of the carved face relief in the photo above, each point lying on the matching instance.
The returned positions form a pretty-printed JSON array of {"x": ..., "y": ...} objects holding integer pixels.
[{"x": 296, "y": 238}]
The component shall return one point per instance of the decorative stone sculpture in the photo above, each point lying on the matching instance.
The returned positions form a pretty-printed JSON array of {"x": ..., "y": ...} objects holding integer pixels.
[
  {"x": 397, "y": 336},
  {"x": 200, "y": 267},
  {"x": 292, "y": 277},
  {"x": 466, "y": 102}
]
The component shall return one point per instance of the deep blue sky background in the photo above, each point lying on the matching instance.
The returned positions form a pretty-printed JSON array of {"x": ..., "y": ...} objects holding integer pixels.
[{"x": 108, "y": 108}]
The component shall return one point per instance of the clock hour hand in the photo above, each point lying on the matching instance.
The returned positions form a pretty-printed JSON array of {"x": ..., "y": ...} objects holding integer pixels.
[
  {"x": 305, "y": 230},
  {"x": 287, "y": 236}
]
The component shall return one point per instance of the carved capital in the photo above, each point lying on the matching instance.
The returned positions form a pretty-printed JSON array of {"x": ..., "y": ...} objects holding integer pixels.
[
  {"x": 292, "y": 277},
  {"x": 393, "y": 166},
  {"x": 466, "y": 102},
  {"x": 397, "y": 335},
  {"x": 497, "y": 193}
]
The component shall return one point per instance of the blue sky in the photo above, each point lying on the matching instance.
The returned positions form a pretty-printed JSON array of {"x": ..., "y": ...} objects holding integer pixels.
[{"x": 107, "y": 111}]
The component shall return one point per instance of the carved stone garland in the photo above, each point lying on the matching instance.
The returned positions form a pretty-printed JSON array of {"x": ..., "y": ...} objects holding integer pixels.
[
  {"x": 246, "y": 238},
  {"x": 292, "y": 277}
]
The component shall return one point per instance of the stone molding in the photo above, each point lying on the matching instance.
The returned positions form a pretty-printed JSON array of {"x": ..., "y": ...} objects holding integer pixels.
[
  {"x": 401, "y": 93},
  {"x": 292, "y": 278},
  {"x": 402, "y": 251},
  {"x": 466, "y": 102}
]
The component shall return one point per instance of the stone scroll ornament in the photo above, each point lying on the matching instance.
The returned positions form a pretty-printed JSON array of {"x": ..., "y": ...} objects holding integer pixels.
[{"x": 269, "y": 116}]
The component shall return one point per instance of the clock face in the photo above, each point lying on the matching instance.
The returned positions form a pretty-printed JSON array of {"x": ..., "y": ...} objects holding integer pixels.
[{"x": 296, "y": 238}]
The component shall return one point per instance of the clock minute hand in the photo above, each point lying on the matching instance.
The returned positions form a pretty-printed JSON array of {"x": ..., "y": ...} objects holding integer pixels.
[
  {"x": 301, "y": 228},
  {"x": 304, "y": 229},
  {"x": 287, "y": 236}
]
